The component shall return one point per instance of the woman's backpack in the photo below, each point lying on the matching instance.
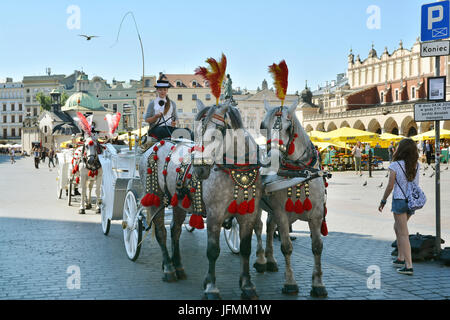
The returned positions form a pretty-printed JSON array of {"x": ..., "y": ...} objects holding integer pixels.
[{"x": 416, "y": 198}]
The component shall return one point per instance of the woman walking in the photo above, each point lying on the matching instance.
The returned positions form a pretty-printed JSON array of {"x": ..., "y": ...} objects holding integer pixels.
[
  {"x": 356, "y": 152},
  {"x": 403, "y": 170}
]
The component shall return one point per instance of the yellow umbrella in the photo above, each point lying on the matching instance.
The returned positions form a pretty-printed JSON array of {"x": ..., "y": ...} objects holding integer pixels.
[
  {"x": 431, "y": 135},
  {"x": 324, "y": 145},
  {"x": 350, "y": 135},
  {"x": 318, "y": 136}
]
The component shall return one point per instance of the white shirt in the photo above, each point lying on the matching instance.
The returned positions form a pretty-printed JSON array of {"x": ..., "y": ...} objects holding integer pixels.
[
  {"x": 160, "y": 109},
  {"x": 401, "y": 179}
]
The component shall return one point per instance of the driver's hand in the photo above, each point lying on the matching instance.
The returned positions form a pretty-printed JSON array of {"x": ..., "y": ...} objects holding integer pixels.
[{"x": 159, "y": 115}]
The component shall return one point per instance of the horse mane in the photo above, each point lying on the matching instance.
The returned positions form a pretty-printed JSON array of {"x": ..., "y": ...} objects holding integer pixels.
[{"x": 235, "y": 118}]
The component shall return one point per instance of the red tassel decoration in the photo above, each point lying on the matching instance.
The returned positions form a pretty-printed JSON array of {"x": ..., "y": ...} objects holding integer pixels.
[
  {"x": 178, "y": 170},
  {"x": 324, "y": 228},
  {"x": 251, "y": 206},
  {"x": 326, "y": 211},
  {"x": 155, "y": 148},
  {"x": 174, "y": 201},
  {"x": 307, "y": 205},
  {"x": 162, "y": 142},
  {"x": 326, "y": 184},
  {"x": 186, "y": 203},
  {"x": 242, "y": 209},
  {"x": 164, "y": 172},
  {"x": 196, "y": 221},
  {"x": 147, "y": 201},
  {"x": 289, "y": 206},
  {"x": 156, "y": 201},
  {"x": 298, "y": 208},
  {"x": 149, "y": 171},
  {"x": 155, "y": 157},
  {"x": 232, "y": 208},
  {"x": 91, "y": 143},
  {"x": 77, "y": 180},
  {"x": 189, "y": 176},
  {"x": 167, "y": 159},
  {"x": 291, "y": 149}
]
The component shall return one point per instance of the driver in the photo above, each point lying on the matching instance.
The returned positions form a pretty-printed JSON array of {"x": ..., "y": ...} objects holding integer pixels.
[{"x": 161, "y": 113}]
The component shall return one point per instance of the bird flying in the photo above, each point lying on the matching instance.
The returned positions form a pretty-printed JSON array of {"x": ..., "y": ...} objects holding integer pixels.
[{"x": 88, "y": 37}]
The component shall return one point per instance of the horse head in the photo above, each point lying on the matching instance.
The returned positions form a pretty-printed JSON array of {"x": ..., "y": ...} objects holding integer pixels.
[
  {"x": 91, "y": 150},
  {"x": 212, "y": 123},
  {"x": 286, "y": 138}
]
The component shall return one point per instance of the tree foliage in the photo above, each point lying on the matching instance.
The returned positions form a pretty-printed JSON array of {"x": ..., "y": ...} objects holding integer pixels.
[{"x": 46, "y": 101}]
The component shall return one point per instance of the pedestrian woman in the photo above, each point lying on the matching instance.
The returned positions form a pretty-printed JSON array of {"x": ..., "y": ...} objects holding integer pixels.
[
  {"x": 37, "y": 157},
  {"x": 429, "y": 151},
  {"x": 356, "y": 152},
  {"x": 161, "y": 112},
  {"x": 403, "y": 169}
]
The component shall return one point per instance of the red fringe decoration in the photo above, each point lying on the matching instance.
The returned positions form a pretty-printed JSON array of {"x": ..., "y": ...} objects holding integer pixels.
[
  {"x": 155, "y": 157},
  {"x": 289, "y": 206},
  {"x": 174, "y": 201},
  {"x": 156, "y": 201},
  {"x": 307, "y": 204},
  {"x": 291, "y": 149},
  {"x": 196, "y": 221},
  {"x": 147, "y": 201},
  {"x": 242, "y": 209},
  {"x": 149, "y": 171},
  {"x": 232, "y": 208},
  {"x": 298, "y": 207},
  {"x": 324, "y": 228},
  {"x": 251, "y": 206},
  {"x": 186, "y": 203},
  {"x": 280, "y": 76}
]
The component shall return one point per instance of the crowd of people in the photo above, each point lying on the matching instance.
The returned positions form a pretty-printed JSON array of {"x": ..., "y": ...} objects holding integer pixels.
[{"x": 40, "y": 153}]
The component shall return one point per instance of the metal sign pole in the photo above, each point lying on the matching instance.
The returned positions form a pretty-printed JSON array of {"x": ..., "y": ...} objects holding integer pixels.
[{"x": 438, "y": 173}]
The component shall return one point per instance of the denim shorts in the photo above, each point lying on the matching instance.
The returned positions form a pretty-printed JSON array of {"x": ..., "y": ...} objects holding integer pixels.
[{"x": 400, "y": 206}]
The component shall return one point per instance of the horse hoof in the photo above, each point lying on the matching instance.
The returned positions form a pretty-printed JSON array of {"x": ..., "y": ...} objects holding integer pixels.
[
  {"x": 170, "y": 277},
  {"x": 260, "y": 268},
  {"x": 249, "y": 294},
  {"x": 319, "y": 292},
  {"x": 290, "y": 289},
  {"x": 89, "y": 206},
  {"x": 82, "y": 211},
  {"x": 99, "y": 211},
  {"x": 211, "y": 296},
  {"x": 271, "y": 267},
  {"x": 181, "y": 275}
]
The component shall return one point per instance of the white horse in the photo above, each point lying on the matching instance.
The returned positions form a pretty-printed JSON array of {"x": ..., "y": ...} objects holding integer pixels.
[
  {"x": 305, "y": 201},
  {"x": 90, "y": 171}
]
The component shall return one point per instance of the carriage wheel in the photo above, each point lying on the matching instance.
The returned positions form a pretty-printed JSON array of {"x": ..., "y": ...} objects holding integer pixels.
[
  {"x": 132, "y": 234},
  {"x": 106, "y": 223},
  {"x": 232, "y": 237},
  {"x": 69, "y": 194}
]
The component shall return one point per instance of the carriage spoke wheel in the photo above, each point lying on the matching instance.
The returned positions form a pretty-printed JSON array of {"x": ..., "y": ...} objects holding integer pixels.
[
  {"x": 232, "y": 237},
  {"x": 106, "y": 222},
  {"x": 132, "y": 234}
]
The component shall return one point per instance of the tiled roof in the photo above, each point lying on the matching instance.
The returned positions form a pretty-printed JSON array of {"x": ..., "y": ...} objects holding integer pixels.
[{"x": 186, "y": 80}]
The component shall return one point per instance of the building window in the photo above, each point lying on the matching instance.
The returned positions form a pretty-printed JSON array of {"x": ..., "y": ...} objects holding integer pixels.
[
  {"x": 208, "y": 97},
  {"x": 105, "y": 106},
  {"x": 20, "y": 119},
  {"x": 194, "y": 97},
  {"x": 194, "y": 110},
  {"x": 13, "y": 106},
  {"x": 5, "y": 133},
  {"x": 13, "y": 132},
  {"x": 413, "y": 92},
  {"x": 20, "y": 107},
  {"x": 28, "y": 99},
  {"x": 45, "y": 129},
  {"x": 194, "y": 84},
  {"x": 147, "y": 83},
  {"x": 179, "y": 83},
  {"x": 13, "y": 119},
  {"x": 35, "y": 112},
  {"x": 28, "y": 111},
  {"x": 115, "y": 107},
  {"x": 28, "y": 90},
  {"x": 382, "y": 97},
  {"x": 396, "y": 94},
  {"x": 4, "y": 119},
  {"x": 180, "y": 97},
  {"x": 4, "y": 107}
]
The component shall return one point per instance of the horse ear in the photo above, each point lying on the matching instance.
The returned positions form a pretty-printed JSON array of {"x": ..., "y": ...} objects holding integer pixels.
[
  {"x": 200, "y": 105},
  {"x": 292, "y": 108},
  {"x": 267, "y": 106}
]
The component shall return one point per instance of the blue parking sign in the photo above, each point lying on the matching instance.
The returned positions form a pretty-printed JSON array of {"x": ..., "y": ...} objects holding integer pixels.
[{"x": 435, "y": 21}]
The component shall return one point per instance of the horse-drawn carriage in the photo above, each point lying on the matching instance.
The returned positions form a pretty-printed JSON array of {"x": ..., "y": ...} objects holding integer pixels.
[{"x": 66, "y": 180}]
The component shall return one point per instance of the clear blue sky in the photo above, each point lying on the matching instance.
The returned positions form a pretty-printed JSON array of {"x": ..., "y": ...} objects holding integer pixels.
[{"x": 178, "y": 35}]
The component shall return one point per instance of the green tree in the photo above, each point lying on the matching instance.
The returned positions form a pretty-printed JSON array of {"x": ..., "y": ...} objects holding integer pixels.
[{"x": 46, "y": 101}]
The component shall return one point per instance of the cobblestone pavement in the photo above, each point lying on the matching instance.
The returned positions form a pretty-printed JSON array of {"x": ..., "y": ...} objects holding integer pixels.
[{"x": 41, "y": 237}]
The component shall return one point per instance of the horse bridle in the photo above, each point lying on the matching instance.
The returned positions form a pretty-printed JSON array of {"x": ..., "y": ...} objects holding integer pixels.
[
  {"x": 307, "y": 160},
  {"x": 97, "y": 163}
]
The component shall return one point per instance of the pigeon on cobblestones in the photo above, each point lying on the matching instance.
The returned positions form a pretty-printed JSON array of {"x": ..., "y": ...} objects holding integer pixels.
[
  {"x": 365, "y": 184},
  {"x": 381, "y": 185}
]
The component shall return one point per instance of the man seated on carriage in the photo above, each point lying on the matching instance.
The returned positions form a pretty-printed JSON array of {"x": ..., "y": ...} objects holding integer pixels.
[{"x": 161, "y": 113}]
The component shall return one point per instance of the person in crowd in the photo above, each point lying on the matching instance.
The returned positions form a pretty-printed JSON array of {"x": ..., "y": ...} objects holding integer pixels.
[
  {"x": 429, "y": 151},
  {"x": 404, "y": 169},
  {"x": 51, "y": 156},
  {"x": 356, "y": 152},
  {"x": 391, "y": 150},
  {"x": 37, "y": 157},
  {"x": 12, "y": 154}
]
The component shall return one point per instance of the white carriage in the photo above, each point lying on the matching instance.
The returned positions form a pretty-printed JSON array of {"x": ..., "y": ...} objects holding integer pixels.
[
  {"x": 121, "y": 191},
  {"x": 64, "y": 180}
]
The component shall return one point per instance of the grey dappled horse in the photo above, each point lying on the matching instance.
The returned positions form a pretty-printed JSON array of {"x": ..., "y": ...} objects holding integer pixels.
[
  {"x": 218, "y": 193},
  {"x": 282, "y": 123}
]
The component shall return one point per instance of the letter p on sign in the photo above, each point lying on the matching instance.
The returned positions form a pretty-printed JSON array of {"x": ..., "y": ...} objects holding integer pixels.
[{"x": 432, "y": 17}]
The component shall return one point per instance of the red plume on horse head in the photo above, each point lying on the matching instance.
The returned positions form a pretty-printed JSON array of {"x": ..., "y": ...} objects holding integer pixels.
[
  {"x": 214, "y": 75},
  {"x": 83, "y": 124},
  {"x": 113, "y": 122},
  {"x": 280, "y": 76}
]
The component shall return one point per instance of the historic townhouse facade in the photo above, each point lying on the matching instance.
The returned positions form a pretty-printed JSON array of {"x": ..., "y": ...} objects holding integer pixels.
[{"x": 12, "y": 110}]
